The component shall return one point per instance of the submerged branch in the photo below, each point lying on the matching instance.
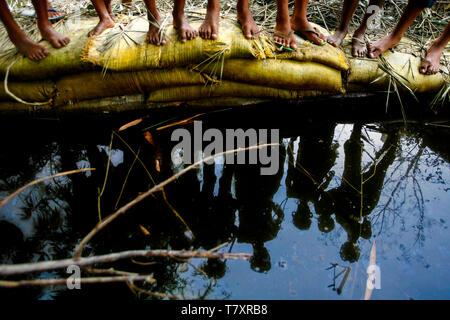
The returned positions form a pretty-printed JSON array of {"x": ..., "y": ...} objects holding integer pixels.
[
  {"x": 6, "y": 270},
  {"x": 62, "y": 281},
  {"x": 15, "y": 193}
]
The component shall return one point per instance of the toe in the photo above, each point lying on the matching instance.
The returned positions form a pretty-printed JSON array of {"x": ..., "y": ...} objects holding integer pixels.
[
  {"x": 331, "y": 41},
  {"x": 423, "y": 69},
  {"x": 293, "y": 44}
]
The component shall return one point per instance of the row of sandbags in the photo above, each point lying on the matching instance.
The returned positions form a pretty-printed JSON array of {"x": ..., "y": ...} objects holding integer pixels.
[{"x": 120, "y": 63}]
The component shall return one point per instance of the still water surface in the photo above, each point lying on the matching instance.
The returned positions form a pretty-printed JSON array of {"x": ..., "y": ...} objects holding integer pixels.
[{"x": 303, "y": 225}]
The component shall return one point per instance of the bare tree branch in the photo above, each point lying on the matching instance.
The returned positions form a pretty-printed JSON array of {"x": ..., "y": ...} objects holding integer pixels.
[
  {"x": 15, "y": 193},
  {"x": 49, "y": 282},
  {"x": 60, "y": 264}
]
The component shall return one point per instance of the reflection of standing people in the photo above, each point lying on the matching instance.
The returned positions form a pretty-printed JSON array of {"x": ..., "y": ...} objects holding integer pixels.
[
  {"x": 259, "y": 217},
  {"x": 345, "y": 200},
  {"x": 307, "y": 175}
]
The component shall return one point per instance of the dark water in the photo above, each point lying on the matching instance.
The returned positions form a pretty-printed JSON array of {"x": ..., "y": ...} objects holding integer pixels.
[{"x": 296, "y": 224}]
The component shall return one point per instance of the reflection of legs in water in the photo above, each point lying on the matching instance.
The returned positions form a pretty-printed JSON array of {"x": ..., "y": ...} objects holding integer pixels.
[
  {"x": 307, "y": 174},
  {"x": 349, "y": 252},
  {"x": 345, "y": 200},
  {"x": 260, "y": 261},
  {"x": 214, "y": 268},
  {"x": 302, "y": 217}
]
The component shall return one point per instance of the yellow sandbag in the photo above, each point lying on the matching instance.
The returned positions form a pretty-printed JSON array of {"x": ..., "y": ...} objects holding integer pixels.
[
  {"x": 92, "y": 85},
  {"x": 284, "y": 74},
  {"x": 364, "y": 72},
  {"x": 29, "y": 91},
  {"x": 59, "y": 62},
  {"x": 105, "y": 105},
  {"x": 128, "y": 51},
  {"x": 229, "y": 89},
  {"x": 325, "y": 54},
  {"x": 17, "y": 108},
  {"x": 96, "y": 106}
]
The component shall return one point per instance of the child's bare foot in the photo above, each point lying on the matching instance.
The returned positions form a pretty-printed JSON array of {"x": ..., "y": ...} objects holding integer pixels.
[
  {"x": 336, "y": 38},
  {"x": 431, "y": 63},
  {"x": 155, "y": 36},
  {"x": 308, "y": 31},
  {"x": 359, "y": 46},
  {"x": 380, "y": 46},
  {"x": 284, "y": 35},
  {"x": 29, "y": 48},
  {"x": 248, "y": 24},
  {"x": 103, "y": 25},
  {"x": 56, "y": 40},
  {"x": 185, "y": 31},
  {"x": 210, "y": 27}
]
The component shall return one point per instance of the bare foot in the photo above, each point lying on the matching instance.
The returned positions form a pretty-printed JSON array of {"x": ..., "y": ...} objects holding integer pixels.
[
  {"x": 431, "y": 63},
  {"x": 380, "y": 46},
  {"x": 185, "y": 31},
  {"x": 155, "y": 36},
  {"x": 103, "y": 25},
  {"x": 336, "y": 38},
  {"x": 210, "y": 27},
  {"x": 29, "y": 48},
  {"x": 284, "y": 35},
  {"x": 307, "y": 30},
  {"x": 248, "y": 24},
  {"x": 56, "y": 40},
  {"x": 359, "y": 47}
]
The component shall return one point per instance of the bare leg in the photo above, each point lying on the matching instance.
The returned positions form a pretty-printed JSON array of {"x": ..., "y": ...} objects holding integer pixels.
[
  {"x": 347, "y": 13},
  {"x": 359, "y": 47},
  {"x": 24, "y": 45},
  {"x": 430, "y": 64},
  {"x": 412, "y": 10},
  {"x": 185, "y": 31},
  {"x": 106, "y": 20},
  {"x": 300, "y": 23},
  {"x": 45, "y": 27},
  {"x": 210, "y": 27},
  {"x": 108, "y": 5},
  {"x": 245, "y": 18},
  {"x": 283, "y": 32},
  {"x": 154, "y": 36}
]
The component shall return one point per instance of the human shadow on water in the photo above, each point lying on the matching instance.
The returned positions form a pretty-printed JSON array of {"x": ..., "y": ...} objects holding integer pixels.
[
  {"x": 310, "y": 173},
  {"x": 260, "y": 217},
  {"x": 210, "y": 205},
  {"x": 351, "y": 209}
]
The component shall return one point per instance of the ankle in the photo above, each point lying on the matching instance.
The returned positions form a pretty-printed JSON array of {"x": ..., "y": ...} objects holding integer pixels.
[
  {"x": 342, "y": 29},
  {"x": 300, "y": 20},
  {"x": 44, "y": 25},
  {"x": 178, "y": 14},
  {"x": 213, "y": 5}
]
